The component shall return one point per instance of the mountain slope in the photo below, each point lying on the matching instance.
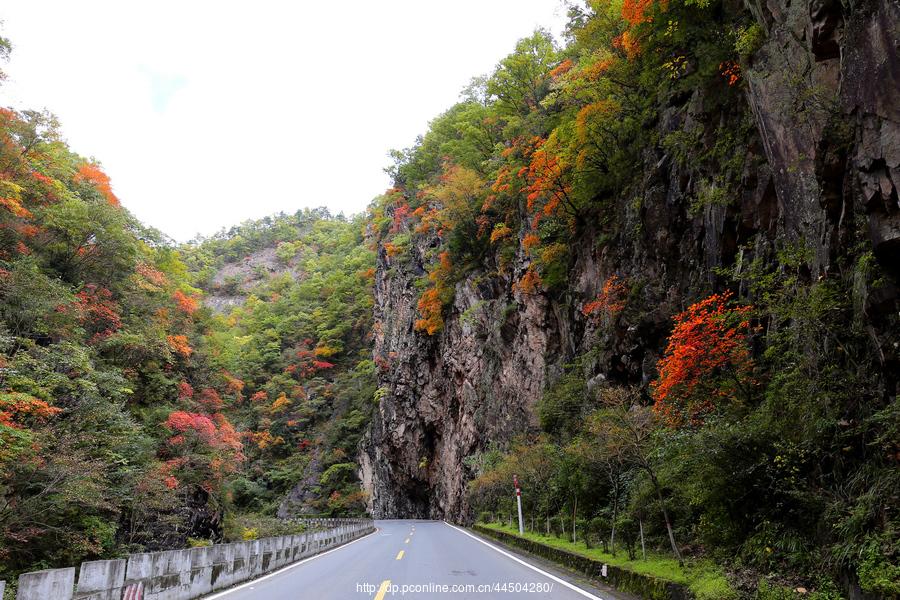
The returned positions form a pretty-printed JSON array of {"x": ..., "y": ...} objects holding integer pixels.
[
  {"x": 682, "y": 224},
  {"x": 293, "y": 305}
]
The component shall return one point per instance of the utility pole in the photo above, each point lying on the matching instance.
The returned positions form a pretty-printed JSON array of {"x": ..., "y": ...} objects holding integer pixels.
[{"x": 519, "y": 504}]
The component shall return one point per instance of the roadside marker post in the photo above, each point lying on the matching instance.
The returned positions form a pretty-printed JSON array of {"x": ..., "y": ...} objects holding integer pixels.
[{"x": 519, "y": 504}]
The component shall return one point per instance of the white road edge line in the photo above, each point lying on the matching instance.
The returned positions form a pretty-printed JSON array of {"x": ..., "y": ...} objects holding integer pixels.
[
  {"x": 565, "y": 583},
  {"x": 287, "y": 568}
]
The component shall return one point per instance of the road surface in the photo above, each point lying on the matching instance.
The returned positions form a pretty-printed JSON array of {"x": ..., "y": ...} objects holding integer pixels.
[{"x": 416, "y": 560}]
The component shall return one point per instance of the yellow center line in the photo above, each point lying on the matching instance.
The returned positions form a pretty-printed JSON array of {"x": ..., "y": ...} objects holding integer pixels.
[
  {"x": 383, "y": 589},
  {"x": 400, "y": 555},
  {"x": 407, "y": 541}
]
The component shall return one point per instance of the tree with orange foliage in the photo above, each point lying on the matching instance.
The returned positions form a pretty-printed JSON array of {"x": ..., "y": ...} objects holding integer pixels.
[
  {"x": 548, "y": 189},
  {"x": 264, "y": 439},
  {"x": 149, "y": 278},
  {"x": 610, "y": 301},
  {"x": 17, "y": 412},
  {"x": 308, "y": 361},
  {"x": 707, "y": 361},
  {"x": 431, "y": 308},
  {"x": 431, "y": 303},
  {"x": 636, "y": 13},
  {"x": 91, "y": 173},
  {"x": 179, "y": 345},
  {"x": 530, "y": 241},
  {"x": 186, "y": 304},
  {"x": 401, "y": 213},
  {"x": 730, "y": 72},
  {"x": 281, "y": 403},
  {"x": 234, "y": 386},
  {"x": 530, "y": 282},
  {"x": 561, "y": 69},
  {"x": 500, "y": 232}
]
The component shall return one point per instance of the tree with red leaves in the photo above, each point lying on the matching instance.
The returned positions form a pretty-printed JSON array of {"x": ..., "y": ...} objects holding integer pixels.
[
  {"x": 201, "y": 450},
  {"x": 308, "y": 363},
  {"x": 401, "y": 213},
  {"x": 197, "y": 424},
  {"x": 706, "y": 363},
  {"x": 610, "y": 301},
  {"x": 98, "y": 312},
  {"x": 211, "y": 399},
  {"x": 185, "y": 391}
]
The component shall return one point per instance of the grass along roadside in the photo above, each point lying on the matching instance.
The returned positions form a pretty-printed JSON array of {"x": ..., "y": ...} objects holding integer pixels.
[{"x": 704, "y": 578}]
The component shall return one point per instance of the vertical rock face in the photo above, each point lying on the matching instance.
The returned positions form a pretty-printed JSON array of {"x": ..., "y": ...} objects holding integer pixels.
[
  {"x": 448, "y": 395},
  {"x": 822, "y": 94},
  {"x": 870, "y": 80}
]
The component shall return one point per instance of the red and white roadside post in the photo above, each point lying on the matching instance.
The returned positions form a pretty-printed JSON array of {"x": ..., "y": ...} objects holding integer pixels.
[{"x": 519, "y": 504}]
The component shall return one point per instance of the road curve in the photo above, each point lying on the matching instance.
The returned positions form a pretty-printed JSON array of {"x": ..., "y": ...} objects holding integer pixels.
[{"x": 415, "y": 560}]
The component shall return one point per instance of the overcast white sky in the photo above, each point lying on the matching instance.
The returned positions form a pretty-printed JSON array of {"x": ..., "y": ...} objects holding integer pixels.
[{"x": 207, "y": 113}]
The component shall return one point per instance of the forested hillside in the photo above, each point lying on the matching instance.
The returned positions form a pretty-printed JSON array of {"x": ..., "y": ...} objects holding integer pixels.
[
  {"x": 133, "y": 416},
  {"x": 105, "y": 444},
  {"x": 292, "y": 304}
]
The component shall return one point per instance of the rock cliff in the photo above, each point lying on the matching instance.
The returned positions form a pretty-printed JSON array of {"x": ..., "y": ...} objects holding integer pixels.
[{"x": 819, "y": 161}]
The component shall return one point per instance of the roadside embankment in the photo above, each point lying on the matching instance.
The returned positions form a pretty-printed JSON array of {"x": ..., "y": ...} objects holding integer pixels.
[{"x": 653, "y": 579}]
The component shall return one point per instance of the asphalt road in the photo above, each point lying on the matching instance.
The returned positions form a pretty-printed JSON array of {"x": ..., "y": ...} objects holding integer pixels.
[{"x": 416, "y": 560}]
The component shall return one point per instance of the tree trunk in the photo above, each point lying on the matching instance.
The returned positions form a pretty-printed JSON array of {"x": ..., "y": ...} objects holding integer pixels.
[
  {"x": 574, "y": 520},
  {"x": 612, "y": 535},
  {"x": 643, "y": 548},
  {"x": 665, "y": 513}
]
